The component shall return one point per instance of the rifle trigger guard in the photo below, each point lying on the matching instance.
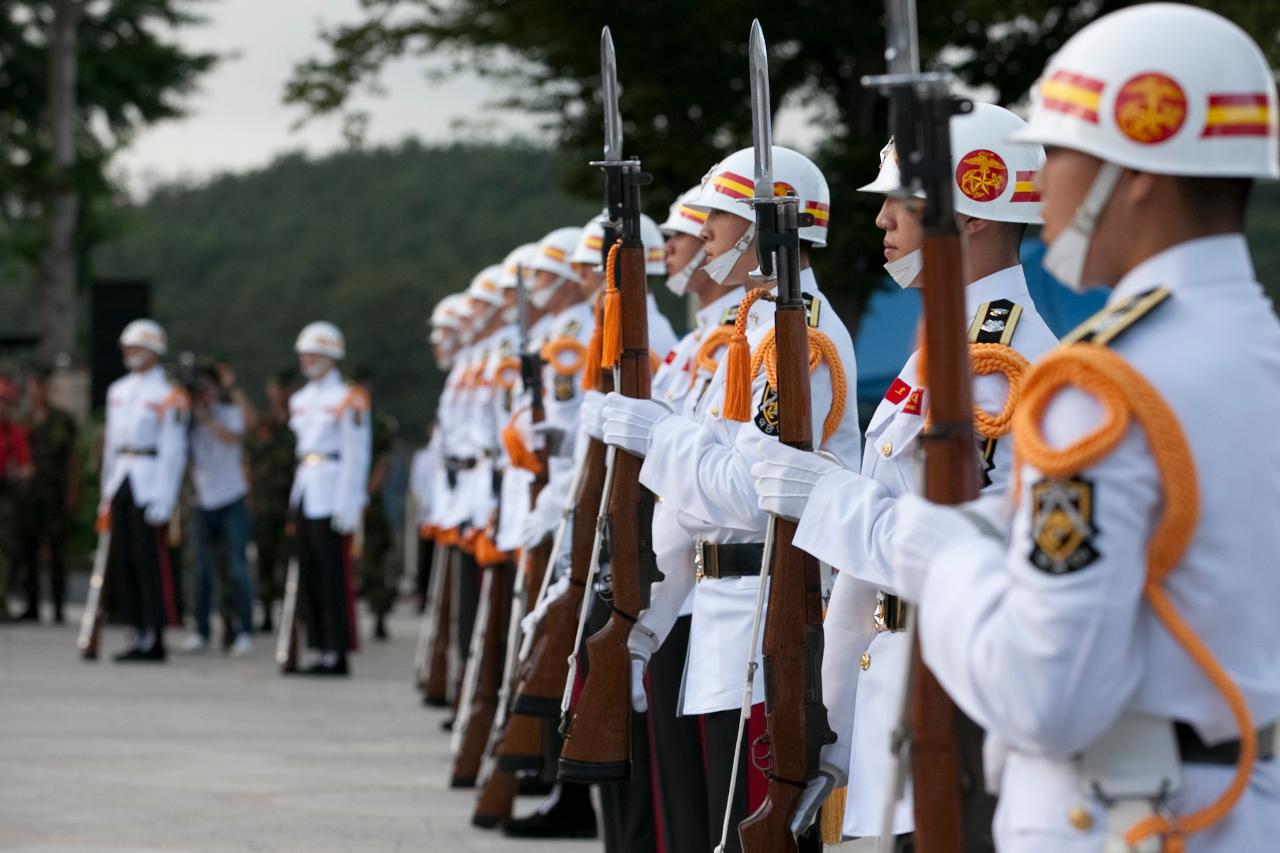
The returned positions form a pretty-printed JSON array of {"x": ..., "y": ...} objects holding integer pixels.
[{"x": 762, "y": 754}]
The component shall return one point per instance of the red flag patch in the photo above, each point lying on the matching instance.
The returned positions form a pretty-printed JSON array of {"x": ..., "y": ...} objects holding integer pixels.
[{"x": 898, "y": 391}]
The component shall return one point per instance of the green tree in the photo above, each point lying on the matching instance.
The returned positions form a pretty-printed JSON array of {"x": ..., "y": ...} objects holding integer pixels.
[
  {"x": 130, "y": 73},
  {"x": 683, "y": 72}
]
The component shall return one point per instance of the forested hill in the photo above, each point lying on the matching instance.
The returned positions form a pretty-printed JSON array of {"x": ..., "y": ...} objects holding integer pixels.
[{"x": 370, "y": 240}]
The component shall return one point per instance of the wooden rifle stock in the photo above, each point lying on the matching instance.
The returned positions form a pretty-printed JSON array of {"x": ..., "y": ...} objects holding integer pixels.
[
  {"x": 597, "y": 745},
  {"x": 795, "y": 718},
  {"x": 543, "y": 675},
  {"x": 484, "y": 701},
  {"x": 287, "y": 638},
  {"x": 435, "y": 677},
  {"x": 91, "y": 620}
]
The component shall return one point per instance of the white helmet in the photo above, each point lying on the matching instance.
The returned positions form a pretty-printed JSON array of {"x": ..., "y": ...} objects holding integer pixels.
[
  {"x": 993, "y": 177},
  {"x": 450, "y": 311},
  {"x": 485, "y": 288},
  {"x": 730, "y": 181},
  {"x": 588, "y": 250},
  {"x": 518, "y": 257},
  {"x": 555, "y": 251},
  {"x": 683, "y": 219},
  {"x": 147, "y": 334},
  {"x": 321, "y": 338},
  {"x": 1162, "y": 88}
]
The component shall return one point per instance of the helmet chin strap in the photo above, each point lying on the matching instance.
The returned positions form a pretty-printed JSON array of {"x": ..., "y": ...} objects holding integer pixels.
[
  {"x": 1065, "y": 259},
  {"x": 720, "y": 266},
  {"x": 679, "y": 283}
]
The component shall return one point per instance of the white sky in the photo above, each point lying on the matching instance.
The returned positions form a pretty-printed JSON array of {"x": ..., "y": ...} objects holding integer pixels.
[{"x": 237, "y": 120}]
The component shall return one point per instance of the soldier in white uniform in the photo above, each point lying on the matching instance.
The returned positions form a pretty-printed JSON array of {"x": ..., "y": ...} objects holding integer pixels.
[
  {"x": 846, "y": 518},
  {"x": 330, "y": 419},
  {"x": 143, "y": 458},
  {"x": 1121, "y": 648},
  {"x": 701, "y": 465}
]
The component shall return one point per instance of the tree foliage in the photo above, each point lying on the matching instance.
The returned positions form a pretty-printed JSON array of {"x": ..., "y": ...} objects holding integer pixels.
[
  {"x": 131, "y": 74},
  {"x": 683, "y": 71},
  {"x": 368, "y": 240}
]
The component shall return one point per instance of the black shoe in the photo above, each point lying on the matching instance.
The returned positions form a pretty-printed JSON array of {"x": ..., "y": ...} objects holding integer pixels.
[
  {"x": 447, "y": 725},
  {"x": 154, "y": 654},
  {"x": 266, "y": 627},
  {"x": 339, "y": 668},
  {"x": 380, "y": 629},
  {"x": 557, "y": 823}
]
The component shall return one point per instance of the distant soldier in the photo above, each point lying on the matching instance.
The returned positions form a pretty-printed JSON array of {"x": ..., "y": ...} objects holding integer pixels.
[
  {"x": 143, "y": 459},
  {"x": 330, "y": 418},
  {"x": 51, "y": 496},
  {"x": 269, "y": 447}
]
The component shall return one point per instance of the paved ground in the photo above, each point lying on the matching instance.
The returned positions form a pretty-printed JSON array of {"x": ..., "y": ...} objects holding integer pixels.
[
  {"x": 216, "y": 753},
  {"x": 213, "y": 753}
]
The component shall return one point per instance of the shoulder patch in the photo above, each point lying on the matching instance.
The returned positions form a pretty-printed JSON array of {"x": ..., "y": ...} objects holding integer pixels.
[
  {"x": 1107, "y": 325},
  {"x": 571, "y": 328},
  {"x": 812, "y": 309},
  {"x": 1062, "y": 528},
  {"x": 729, "y": 316},
  {"x": 767, "y": 413},
  {"x": 994, "y": 322},
  {"x": 563, "y": 387},
  {"x": 507, "y": 348}
]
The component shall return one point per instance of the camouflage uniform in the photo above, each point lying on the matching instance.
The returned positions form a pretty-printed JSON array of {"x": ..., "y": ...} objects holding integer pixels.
[
  {"x": 269, "y": 448},
  {"x": 376, "y": 578},
  {"x": 43, "y": 515}
]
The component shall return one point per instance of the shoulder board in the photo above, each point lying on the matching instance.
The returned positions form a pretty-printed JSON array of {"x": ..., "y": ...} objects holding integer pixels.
[
  {"x": 812, "y": 309},
  {"x": 729, "y": 316},
  {"x": 508, "y": 347},
  {"x": 994, "y": 322},
  {"x": 1107, "y": 325}
]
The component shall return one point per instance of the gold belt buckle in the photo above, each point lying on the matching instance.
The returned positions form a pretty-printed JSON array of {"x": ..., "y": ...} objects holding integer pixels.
[
  {"x": 310, "y": 459},
  {"x": 699, "y": 562}
]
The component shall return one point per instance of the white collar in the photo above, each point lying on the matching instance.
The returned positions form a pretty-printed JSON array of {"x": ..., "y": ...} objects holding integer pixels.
[
  {"x": 1009, "y": 283},
  {"x": 1193, "y": 262},
  {"x": 710, "y": 314}
]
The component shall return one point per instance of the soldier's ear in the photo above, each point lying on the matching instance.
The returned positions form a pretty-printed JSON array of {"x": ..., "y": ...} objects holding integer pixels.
[{"x": 971, "y": 224}]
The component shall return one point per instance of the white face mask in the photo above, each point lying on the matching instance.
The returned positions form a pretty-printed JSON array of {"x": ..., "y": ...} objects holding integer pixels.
[
  {"x": 316, "y": 369},
  {"x": 906, "y": 269},
  {"x": 720, "y": 266},
  {"x": 136, "y": 360},
  {"x": 1065, "y": 259},
  {"x": 540, "y": 297},
  {"x": 679, "y": 283}
]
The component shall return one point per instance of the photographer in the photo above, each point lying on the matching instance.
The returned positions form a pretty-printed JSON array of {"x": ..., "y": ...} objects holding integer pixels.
[{"x": 219, "y": 416}]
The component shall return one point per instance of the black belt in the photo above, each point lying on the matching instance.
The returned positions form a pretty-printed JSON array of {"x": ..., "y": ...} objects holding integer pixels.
[
  {"x": 727, "y": 561},
  {"x": 456, "y": 463},
  {"x": 1195, "y": 751},
  {"x": 136, "y": 451}
]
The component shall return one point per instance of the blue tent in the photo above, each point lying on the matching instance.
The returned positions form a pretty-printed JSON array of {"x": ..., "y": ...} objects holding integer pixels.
[{"x": 887, "y": 333}]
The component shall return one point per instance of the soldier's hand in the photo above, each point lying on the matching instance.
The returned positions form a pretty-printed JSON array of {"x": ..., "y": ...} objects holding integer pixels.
[
  {"x": 924, "y": 529},
  {"x": 785, "y": 477},
  {"x": 629, "y": 423},
  {"x": 639, "y": 699}
]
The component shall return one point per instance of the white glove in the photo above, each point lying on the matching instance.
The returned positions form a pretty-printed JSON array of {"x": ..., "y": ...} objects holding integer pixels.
[
  {"x": 529, "y": 622},
  {"x": 541, "y": 520},
  {"x": 639, "y": 699},
  {"x": 344, "y": 523},
  {"x": 922, "y": 530},
  {"x": 157, "y": 513},
  {"x": 590, "y": 414},
  {"x": 629, "y": 423},
  {"x": 785, "y": 477},
  {"x": 815, "y": 794}
]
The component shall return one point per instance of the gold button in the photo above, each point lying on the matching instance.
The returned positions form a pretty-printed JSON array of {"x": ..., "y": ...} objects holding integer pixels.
[
  {"x": 1080, "y": 818},
  {"x": 865, "y": 661},
  {"x": 715, "y": 412},
  {"x": 887, "y": 450}
]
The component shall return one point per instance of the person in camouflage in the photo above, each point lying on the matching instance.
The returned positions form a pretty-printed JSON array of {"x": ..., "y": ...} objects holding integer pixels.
[
  {"x": 51, "y": 495},
  {"x": 269, "y": 447},
  {"x": 377, "y": 579}
]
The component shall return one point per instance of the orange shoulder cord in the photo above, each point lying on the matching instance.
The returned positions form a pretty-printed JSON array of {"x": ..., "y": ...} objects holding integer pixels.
[
  {"x": 521, "y": 456},
  {"x": 508, "y": 373},
  {"x": 738, "y": 374},
  {"x": 591, "y": 371},
  {"x": 998, "y": 358},
  {"x": 487, "y": 553},
  {"x": 705, "y": 359},
  {"x": 611, "y": 344},
  {"x": 552, "y": 351},
  {"x": 821, "y": 348},
  {"x": 357, "y": 398},
  {"x": 1125, "y": 396}
]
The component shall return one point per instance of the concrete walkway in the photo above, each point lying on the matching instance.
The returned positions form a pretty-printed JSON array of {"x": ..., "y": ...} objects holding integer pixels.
[{"x": 218, "y": 753}]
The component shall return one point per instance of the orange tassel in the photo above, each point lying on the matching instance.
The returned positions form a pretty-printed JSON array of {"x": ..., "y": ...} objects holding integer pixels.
[
  {"x": 591, "y": 371},
  {"x": 737, "y": 380},
  {"x": 611, "y": 346}
]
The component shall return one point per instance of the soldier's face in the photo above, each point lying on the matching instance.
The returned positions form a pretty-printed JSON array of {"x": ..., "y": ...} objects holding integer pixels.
[
  {"x": 721, "y": 231},
  {"x": 902, "y": 231},
  {"x": 314, "y": 366},
  {"x": 1063, "y": 181},
  {"x": 591, "y": 279},
  {"x": 680, "y": 250},
  {"x": 137, "y": 358}
]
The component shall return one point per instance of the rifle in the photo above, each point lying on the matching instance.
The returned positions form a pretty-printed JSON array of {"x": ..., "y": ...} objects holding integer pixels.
[
  {"x": 287, "y": 638},
  {"x": 597, "y": 744},
  {"x": 795, "y": 717},
  {"x": 951, "y": 810},
  {"x": 481, "y": 682},
  {"x": 431, "y": 665},
  {"x": 91, "y": 619}
]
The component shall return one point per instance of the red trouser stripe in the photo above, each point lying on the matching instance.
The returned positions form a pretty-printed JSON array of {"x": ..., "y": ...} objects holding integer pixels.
[
  {"x": 757, "y": 781},
  {"x": 166, "y": 576},
  {"x": 349, "y": 588}
]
